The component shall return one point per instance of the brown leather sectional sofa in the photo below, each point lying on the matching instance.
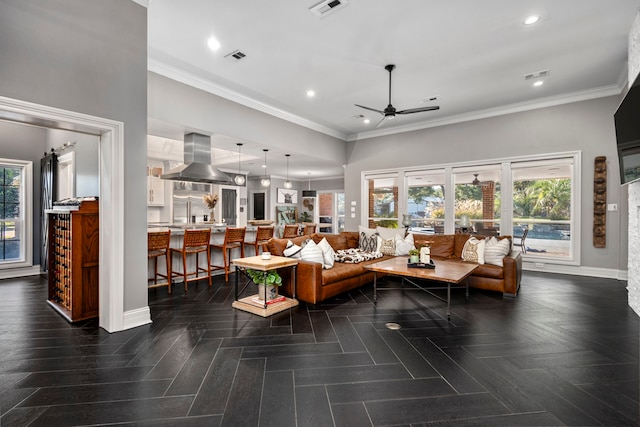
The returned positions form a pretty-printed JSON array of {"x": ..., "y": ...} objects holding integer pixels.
[{"x": 315, "y": 284}]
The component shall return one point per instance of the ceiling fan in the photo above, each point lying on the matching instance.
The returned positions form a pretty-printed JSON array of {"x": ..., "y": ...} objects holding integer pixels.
[{"x": 390, "y": 112}]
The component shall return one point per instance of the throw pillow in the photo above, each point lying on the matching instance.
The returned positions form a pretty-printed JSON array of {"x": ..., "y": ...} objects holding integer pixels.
[
  {"x": 473, "y": 250},
  {"x": 388, "y": 247},
  {"x": 368, "y": 240},
  {"x": 311, "y": 252},
  {"x": 404, "y": 245},
  {"x": 328, "y": 253},
  {"x": 495, "y": 250},
  {"x": 389, "y": 233},
  {"x": 292, "y": 250}
]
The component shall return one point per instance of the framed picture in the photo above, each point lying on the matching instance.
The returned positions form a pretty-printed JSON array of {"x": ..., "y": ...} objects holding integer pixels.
[
  {"x": 286, "y": 215},
  {"x": 286, "y": 195}
]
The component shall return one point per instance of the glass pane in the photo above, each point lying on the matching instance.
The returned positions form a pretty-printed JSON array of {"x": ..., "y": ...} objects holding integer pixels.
[
  {"x": 11, "y": 239},
  {"x": 340, "y": 206},
  {"x": 383, "y": 202},
  {"x": 542, "y": 209},
  {"x": 425, "y": 202},
  {"x": 477, "y": 200}
]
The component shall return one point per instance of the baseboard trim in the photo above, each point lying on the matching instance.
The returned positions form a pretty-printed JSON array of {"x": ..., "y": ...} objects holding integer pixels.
[
  {"x": 13, "y": 273},
  {"x": 137, "y": 317},
  {"x": 608, "y": 273}
]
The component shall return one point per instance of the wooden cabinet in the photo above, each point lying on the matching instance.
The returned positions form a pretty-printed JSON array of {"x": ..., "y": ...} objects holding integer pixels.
[
  {"x": 155, "y": 186},
  {"x": 73, "y": 260}
]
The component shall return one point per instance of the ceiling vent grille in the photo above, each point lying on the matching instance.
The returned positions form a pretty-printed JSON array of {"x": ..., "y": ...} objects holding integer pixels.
[
  {"x": 236, "y": 55},
  {"x": 326, "y": 7},
  {"x": 537, "y": 75}
]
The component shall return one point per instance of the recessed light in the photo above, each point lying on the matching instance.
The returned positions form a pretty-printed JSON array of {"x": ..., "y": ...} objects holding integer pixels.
[
  {"x": 531, "y": 20},
  {"x": 311, "y": 93},
  {"x": 213, "y": 43},
  {"x": 538, "y": 83},
  {"x": 366, "y": 121}
]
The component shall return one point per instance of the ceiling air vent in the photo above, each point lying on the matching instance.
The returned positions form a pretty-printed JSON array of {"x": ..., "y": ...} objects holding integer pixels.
[
  {"x": 327, "y": 6},
  {"x": 235, "y": 55},
  {"x": 537, "y": 75}
]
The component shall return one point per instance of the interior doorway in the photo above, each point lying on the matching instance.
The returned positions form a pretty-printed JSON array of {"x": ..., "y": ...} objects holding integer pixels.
[
  {"x": 258, "y": 206},
  {"x": 229, "y": 214}
]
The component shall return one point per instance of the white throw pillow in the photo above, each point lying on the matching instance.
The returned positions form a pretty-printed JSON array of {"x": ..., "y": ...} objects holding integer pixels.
[
  {"x": 389, "y": 233},
  {"x": 368, "y": 239},
  {"x": 292, "y": 250},
  {"x": 328, "y": 253},
  {"x": 311, "y": 252},
  {"x": 495, "y": 250},
  {"x": 473, "y": 250},
  {"x": 404, "y": 245}
]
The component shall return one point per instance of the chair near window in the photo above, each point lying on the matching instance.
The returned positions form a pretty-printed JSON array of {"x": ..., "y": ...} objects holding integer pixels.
[
  {"x": 263, "y": 234},
  {"x": 290, "y": 230},
  {"x": 158, "y": 246},
  {"x": 233, "y": 238},
  {"x": 525, "y": 231},
  {"x": 194, "y": 242},
  {"x": 308, "y": 229}
]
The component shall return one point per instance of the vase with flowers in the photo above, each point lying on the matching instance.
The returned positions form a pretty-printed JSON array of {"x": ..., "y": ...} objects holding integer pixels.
[{"x": 210, "y": 201}]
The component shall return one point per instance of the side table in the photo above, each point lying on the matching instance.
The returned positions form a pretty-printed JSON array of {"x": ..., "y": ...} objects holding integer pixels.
[{"x": 265, "y": 309}]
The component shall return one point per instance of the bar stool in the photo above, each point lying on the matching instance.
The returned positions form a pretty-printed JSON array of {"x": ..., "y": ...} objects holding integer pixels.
[
  {"x": 263, "y": 234},
  {"x": 233, "y": 238},
  {"x": 195, "y": 242},
  {"x": 158, "y": 246},
  {"x": 290, "y": 230},
  {"x": 309, "y": 228}
]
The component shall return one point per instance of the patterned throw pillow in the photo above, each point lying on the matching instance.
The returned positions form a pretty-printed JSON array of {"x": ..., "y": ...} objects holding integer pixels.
[
  {"x": 328, "y": 253},
  {"x": 404, "y": 245},
  {"x": 368, "y": 239},
  {"x": 292, "y": 250},
  {"x": 495, "y": 250},
  {"x": 388, "y": 247},
  {"x": 473, "y": 250}
]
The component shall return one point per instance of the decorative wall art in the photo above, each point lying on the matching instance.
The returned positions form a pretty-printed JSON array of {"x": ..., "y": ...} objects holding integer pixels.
[
  {"x": 600, "y": 202},
  {"x": 287, "y": 195}
]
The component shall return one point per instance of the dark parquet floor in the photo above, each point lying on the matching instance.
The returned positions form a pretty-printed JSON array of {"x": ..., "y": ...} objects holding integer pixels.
[{"x": 565, "y": 352}]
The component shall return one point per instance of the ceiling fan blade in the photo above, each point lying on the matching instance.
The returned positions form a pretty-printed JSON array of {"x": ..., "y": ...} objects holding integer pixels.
[
  {"x": 418, "y": 110},
  {"x": 370, "y": 109},
  {"x": 384, "y": 119}
]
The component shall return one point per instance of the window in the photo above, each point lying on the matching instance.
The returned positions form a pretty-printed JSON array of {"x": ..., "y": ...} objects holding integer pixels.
[
  {"x": 543, "y": 206},
  {"x": 425, "y": 201},
  {"x": 382, "y": 200},
  {"x": 477, "y": 195},
  {"x": 15, "y": 213}
]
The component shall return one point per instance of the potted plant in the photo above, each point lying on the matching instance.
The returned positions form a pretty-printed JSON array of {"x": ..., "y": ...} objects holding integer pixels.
[
  {"x": 414, "y": 256},
  {"x": 266, "y": 281}
]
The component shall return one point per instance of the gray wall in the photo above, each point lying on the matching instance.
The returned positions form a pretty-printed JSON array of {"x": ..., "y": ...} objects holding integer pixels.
[
  {"x": 89, "y": 57},
  {"x": 28, "y": 143},
  {"x": 586, "y": 126}
]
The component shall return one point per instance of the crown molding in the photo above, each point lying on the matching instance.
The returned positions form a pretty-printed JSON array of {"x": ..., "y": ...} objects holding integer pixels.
[
  {"x": 585, "y": 95},
  {"x": 182, "y": 76},
  {"x": 143, "y": 3}
]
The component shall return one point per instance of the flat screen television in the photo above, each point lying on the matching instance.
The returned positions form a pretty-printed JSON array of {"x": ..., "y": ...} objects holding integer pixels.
[{"x": 627, "y": 121}]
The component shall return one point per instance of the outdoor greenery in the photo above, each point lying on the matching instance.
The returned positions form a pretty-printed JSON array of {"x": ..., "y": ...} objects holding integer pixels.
[
  {"x": 9, "y": 192},
  {"x": 545, "y": 198}
]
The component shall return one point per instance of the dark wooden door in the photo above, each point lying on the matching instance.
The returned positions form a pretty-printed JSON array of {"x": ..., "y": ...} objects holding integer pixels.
[{"x": 258, "y": 206}]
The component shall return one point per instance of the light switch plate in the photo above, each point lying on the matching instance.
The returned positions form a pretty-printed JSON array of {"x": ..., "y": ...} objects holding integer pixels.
[{"x": 613, "y": 207}]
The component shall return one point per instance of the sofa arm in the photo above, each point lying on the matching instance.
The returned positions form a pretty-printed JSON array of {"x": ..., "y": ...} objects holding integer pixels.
[
  {"x": 308, "y": 282},
  {"x": 512, "y": 273}
]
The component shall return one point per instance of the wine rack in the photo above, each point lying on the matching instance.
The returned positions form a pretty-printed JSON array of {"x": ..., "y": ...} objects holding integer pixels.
[{"x": 73, "y": 260}]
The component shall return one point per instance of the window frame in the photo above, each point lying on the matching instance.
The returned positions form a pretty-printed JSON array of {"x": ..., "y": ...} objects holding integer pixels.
[{"x": 26, "y": 214}]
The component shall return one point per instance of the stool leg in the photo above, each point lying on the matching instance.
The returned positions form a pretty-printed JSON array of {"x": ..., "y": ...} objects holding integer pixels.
[
  {"x": 155, "y": 270},
  {"x": 184, "y": 271},
  {"x": 167, "y": 258},
  {"x": 209, "y": 264},
  {"x": 224, "y": 262}
]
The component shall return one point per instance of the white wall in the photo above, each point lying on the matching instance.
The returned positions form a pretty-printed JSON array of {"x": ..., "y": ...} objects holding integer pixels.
[
  {"x": 87, "y": 173},
  {"x": 89, "y": 57},
  {"x": 587, "y": 126}
]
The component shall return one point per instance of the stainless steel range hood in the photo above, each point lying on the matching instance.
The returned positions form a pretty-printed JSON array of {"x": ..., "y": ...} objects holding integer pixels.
[{"x": 197, "y": 163}]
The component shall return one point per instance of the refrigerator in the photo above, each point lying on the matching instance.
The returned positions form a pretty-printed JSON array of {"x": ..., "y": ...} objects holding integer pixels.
[{"x": 188, "y": 206}]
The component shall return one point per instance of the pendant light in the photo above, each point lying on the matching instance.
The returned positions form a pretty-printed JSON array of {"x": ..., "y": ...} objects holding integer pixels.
[
  {"x": 265, "y": 182},
  {"x": 239, "y": 179},
  {"x": 310, "y": 192},
  {"x": 287, "y": 183}
]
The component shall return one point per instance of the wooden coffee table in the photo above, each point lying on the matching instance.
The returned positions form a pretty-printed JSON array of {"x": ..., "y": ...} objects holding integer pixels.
[{"x": 449, "y": 272}]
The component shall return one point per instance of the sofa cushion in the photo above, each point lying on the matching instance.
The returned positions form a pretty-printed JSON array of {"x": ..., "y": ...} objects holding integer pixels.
[
  {"x": 489, "y": 270},
  {"x": 388, "y": 247},
  {"x": 404, "y": 245},
  {"x": 495, "y": 250},
  {"x": 473, "y": 250},
  {"x": 312, "y": 253},
  {"x": 327, "y": 253},
  {"x": 292, "y": 250},
  {"x": 368, "y": 240},
  {"x": 442, "y": 245},
  {"x": 389, "y": 233}
]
